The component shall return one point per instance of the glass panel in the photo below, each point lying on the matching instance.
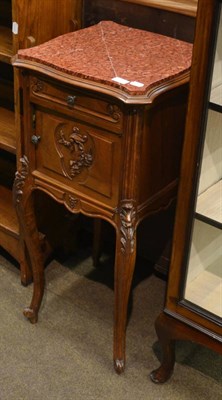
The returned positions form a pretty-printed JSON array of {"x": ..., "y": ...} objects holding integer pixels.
[
  {"x": 209, "y": 201},
  {"x": 216, "y": 88},
  {"x": 204, "y": 279}
]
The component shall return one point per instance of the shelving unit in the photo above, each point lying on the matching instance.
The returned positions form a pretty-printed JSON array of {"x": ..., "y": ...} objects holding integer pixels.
[
  {"x": 29, "y": 17},
  {"x": 9, "y": 228}
]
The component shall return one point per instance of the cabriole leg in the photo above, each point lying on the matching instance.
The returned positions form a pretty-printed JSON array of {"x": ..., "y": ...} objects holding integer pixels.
[
  {"x": 164, "y": 372},
  {"x": 124, "y": 268},
  {"x": 23, "y": 200}
]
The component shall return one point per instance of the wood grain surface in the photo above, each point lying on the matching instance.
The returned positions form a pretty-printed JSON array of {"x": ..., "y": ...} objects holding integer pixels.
[{"x": 188, "y": 7}]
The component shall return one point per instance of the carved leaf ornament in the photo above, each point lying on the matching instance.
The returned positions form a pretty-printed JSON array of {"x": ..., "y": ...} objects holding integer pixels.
[{"x": 128, "y": 218}]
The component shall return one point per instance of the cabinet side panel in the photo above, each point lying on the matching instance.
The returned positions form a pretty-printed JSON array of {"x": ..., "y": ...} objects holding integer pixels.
[{"x": 40, "y": 20}]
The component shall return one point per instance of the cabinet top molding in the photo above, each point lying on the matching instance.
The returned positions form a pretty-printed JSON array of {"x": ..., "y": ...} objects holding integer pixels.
[
  {"x": 131, "y": 64},
  {"x": 187, "y": 7}
]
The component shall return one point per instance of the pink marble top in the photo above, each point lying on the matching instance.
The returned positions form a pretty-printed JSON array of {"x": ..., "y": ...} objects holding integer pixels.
[{"x": 108, "y": 50}]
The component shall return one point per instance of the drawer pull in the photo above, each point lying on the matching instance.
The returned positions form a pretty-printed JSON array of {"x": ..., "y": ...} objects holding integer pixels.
[
  {"x": 71, "y": 100},
  {"x": 35, "y": 139}
]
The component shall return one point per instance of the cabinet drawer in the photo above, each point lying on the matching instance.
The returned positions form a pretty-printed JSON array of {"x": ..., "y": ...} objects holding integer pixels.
[{"x": 71, "y": 101}]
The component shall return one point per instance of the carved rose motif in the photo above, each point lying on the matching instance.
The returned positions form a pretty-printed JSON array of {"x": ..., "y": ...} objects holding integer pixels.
[
  {"x": 37, "y": 85},
  {"x": 114, "y": 111}
]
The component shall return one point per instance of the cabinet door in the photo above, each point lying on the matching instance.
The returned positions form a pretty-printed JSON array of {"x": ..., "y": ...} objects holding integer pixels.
[
  {"x": 36, "y": 21},
  {"x": 203, "y": 286}
]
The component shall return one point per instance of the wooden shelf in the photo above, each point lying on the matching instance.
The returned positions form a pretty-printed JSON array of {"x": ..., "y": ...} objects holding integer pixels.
[
  {"x": 8, "y": 221},
  {"x": 7, "y": 130},
  {"x": 186, "y": 7},
  {"x": 6, "y": 50},
  {"x": 216, "y": 95},
  {"x": 6, "y": 93},
  {"x": 209, "y": 203},
  {"x": 204, "y": 275},
  {"x": 9, "y": 233},
  {"x": 206, "y": 291}
]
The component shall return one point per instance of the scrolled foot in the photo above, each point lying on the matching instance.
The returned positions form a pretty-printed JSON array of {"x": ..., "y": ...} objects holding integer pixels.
[
  {"x": 160, "y": 375},
  {"x": 119, "y": 366},
  {"x": 31, "y": 315}
]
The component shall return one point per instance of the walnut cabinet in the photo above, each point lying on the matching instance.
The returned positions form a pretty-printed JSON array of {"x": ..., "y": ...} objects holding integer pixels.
[{"x": 99, "y": 136}]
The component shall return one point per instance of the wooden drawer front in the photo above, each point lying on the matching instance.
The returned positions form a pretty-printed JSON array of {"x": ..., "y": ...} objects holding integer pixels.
[
  {"x": 72, "y": 102},
  {"x": 80, "y": 156}
]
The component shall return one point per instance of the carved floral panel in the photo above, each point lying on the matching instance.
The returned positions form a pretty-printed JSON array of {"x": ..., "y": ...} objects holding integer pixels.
[{"x": 75, "y": 149}]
